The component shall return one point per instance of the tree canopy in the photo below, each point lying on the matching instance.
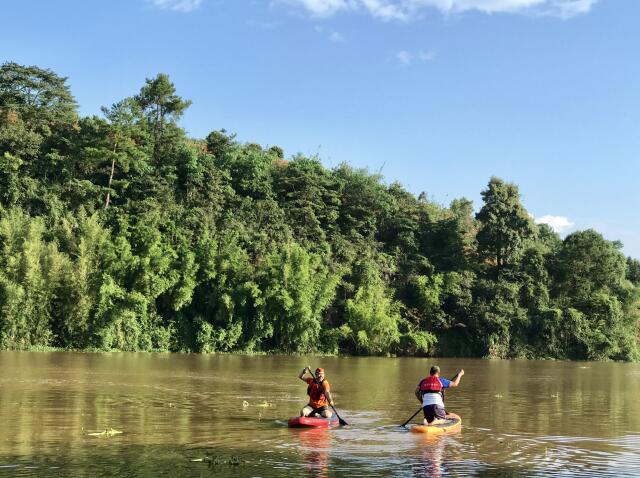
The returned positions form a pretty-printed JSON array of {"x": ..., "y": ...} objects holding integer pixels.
[{"x": 121, "y": 232}]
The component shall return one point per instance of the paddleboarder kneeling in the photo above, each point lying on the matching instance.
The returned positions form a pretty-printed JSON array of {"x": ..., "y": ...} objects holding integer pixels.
[
  {"x": 430, "y": 392},
  {"x": 319, "y": 392}
]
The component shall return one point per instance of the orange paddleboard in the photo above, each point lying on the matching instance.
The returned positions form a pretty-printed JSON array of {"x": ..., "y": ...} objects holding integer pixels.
[{"x": 452, "y": 424}]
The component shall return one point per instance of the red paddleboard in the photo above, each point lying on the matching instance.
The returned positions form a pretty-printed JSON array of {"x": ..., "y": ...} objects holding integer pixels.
[{"x": 297, "y": 422}]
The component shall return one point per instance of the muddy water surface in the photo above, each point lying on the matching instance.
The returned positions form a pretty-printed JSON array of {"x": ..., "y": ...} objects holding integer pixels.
[{"x": 192, "y": 415}]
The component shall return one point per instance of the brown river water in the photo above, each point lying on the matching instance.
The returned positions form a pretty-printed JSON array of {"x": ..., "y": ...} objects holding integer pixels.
[{"x": 200, "y": 415}]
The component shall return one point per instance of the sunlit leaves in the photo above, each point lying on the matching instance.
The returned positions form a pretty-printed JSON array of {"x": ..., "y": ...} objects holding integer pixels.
[{"x": 121, "y": 232}]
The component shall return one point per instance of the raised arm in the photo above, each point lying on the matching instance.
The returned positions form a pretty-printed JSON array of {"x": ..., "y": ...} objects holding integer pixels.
[
  {"x": 456, "y": 380},
  {"x": 304, "y": 371}
]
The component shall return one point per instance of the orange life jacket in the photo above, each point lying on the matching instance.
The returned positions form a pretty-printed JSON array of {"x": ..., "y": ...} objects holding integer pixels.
[
  {"x": 316, "y": 392},
  {"x": 431, "y": 384}
]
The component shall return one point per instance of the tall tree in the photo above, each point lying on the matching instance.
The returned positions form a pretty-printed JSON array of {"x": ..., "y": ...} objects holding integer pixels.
[
  {"x": 160, "y": 104},
  {"x": 588, "y": 263},
  {"x": 40, "y": 97},
  {"x": 126, "y": 140},
  {"x": 504, "y": 224},
  {"x": 633, "y": 270},
  {"x": 35, "y": 104}
]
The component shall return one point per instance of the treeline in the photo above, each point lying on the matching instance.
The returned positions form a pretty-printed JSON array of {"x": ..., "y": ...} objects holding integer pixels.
[{"x": 121, "y": 232}]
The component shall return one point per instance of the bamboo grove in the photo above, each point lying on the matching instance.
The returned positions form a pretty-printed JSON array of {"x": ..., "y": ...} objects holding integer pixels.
[{"x": 120, "y": 232}]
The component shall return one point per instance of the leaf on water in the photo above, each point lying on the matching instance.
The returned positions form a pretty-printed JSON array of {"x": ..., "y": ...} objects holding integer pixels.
[{"x": 106, "y": 433}]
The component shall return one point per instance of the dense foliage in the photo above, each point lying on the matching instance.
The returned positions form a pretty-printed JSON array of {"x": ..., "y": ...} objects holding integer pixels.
[{"x": 120, "y": 232}]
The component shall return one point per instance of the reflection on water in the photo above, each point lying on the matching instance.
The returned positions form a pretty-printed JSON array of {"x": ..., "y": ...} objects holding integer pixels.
[
  {"x": 193, "y": 415},
  {"x": 315, "y": 445},
  {"x": 432, "y": 449}
]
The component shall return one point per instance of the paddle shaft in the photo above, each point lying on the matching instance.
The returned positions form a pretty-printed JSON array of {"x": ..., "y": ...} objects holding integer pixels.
[
  {"x": 411, "y": 418},
  {"x": 342, "y": 422},
  {"x": 418, "y": 411}
]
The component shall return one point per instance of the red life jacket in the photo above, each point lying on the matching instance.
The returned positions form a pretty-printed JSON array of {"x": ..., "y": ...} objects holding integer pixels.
[
  {"x": 431, "y": 384},
  {"x": 316, "y": 391}
]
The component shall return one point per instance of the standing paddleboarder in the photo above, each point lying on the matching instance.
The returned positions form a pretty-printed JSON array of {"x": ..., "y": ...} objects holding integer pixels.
[{"x": 430, "y": 393}]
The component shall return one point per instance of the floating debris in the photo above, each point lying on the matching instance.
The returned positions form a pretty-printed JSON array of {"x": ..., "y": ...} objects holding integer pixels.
[
  {"x": 265, "y": 404},
  {"x": 245, "y": 404},
  {"x": 233, "y": 460},
  {"x": 497, "y": 395},
  {"x": 106, "y": 433}
]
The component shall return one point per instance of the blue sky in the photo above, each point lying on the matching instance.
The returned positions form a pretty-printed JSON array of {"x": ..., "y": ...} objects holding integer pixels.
[{"x": 436, "y": 94}]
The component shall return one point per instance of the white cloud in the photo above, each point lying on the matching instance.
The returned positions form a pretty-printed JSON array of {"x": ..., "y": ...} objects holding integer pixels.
[
  {"x": 426, "y": 55},
  {"x": 408, "y": 9},
  {"x": 557, "y": 223},
  {"x": 386, "y": 10},
  {"x": 570, "y": 9},
  {"x": 177, "y": 5},
  {"x": 404, "y": 57},
  {"x": 323, "y": 8},
  {"x": 557, "y": 8}
]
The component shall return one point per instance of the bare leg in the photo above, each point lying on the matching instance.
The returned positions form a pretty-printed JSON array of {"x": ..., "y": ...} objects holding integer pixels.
[
  {"x": 306, "y": 410},
  {"x": 327, "y": 413}
]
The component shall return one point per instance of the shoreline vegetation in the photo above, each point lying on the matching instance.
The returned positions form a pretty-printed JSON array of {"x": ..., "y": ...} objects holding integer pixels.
[
  {"x": 120, "y": 232},
  {"x": 275, "y": 353}
]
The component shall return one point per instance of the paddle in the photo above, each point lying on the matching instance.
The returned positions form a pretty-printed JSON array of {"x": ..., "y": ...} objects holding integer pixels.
[
  {"x": 411, "y": 418},
  {"x": 340, "y": 420}
]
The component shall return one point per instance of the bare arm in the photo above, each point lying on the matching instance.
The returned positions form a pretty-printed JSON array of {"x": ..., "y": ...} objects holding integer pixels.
[
  {"x": 327, "y": 393},
  {"x": 304, "y": 371},
  {"x": 456, "y": 381},
  {"x": 418, "y": 394}
]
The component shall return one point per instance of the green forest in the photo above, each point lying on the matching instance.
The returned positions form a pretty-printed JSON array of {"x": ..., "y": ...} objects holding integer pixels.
[{"x": 121, "y": 232}]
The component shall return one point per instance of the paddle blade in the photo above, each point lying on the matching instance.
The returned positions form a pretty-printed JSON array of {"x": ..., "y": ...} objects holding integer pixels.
[{"x": 340, "y": 420}]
